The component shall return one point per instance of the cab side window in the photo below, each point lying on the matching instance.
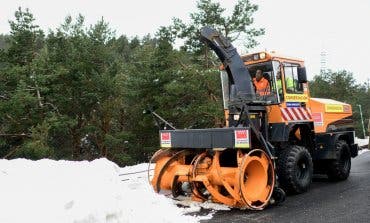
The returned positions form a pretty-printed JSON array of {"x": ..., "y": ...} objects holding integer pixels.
[{"x": 291, "y": 79}]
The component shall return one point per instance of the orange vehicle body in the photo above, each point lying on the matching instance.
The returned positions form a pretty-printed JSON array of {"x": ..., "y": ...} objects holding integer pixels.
[
  {"x": 208, "y": 171},
  {"x": 322, "y": 112}
]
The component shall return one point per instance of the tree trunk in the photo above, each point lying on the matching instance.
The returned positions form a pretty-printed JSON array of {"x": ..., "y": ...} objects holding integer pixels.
[
  {"x": 76, "y": 138},
  {"x": 105, "y": 128}
]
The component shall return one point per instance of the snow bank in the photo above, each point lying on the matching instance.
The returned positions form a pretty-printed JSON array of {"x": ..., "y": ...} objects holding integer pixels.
[
  {"x": 48, "y": 191},
  {"x": 362, "y": 142},
  {"x": 157, "y": 206},
  {"x": 144, "y": 204},
  {"x": 59, "y": 191}
]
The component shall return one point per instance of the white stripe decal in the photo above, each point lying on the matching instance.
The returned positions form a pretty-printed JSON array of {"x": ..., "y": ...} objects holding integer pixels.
[
  {"x": 292, "y": 114},
  {"x": 285, "y": 115},
  {"x": 295, "y": 114},
  {"x": 309, "y": 111},
  {"x": 298, "y": 111},
  {"x": 305, "y": 114}
]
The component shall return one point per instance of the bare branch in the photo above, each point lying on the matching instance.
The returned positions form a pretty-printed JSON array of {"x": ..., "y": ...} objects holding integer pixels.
[{"x": 11, "y": 152}]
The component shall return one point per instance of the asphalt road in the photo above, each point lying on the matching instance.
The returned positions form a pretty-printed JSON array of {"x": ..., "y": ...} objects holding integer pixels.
[{"x": 346, "y": 201}]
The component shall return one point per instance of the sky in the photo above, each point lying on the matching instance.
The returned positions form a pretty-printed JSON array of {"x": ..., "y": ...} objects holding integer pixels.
[{"x": 298, "y": 28}]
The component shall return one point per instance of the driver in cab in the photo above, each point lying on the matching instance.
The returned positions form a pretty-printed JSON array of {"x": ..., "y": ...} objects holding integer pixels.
[{"x": 261, "y": 84}]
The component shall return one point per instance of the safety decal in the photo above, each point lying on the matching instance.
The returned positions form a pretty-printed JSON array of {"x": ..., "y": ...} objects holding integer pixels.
[
  {"x": 296, "y": 97},
  {"x": 241, "y": 138},
  {"x": 346, "y": 109},
  {"x": 318, "y": 118},
  {"x": 337, "y": 108},
  {"x": 165, "y": 139},
  {"x": 293, "y": 104},
  {"x": 296, "y": 114}
]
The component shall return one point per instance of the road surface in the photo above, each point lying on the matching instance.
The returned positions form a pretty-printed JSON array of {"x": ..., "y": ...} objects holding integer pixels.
[{"x": 346, "y": 201}]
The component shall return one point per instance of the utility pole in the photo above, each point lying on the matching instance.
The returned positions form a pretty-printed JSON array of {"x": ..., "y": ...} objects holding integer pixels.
[
  {"x": 323, "y": 55},
  {"x": 362, "y": 121}
]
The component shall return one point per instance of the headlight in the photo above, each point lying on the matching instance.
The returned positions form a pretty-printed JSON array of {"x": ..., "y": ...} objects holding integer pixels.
[
  {"x": 236, "y": 117},
  {"x": 262, "y": 56}
]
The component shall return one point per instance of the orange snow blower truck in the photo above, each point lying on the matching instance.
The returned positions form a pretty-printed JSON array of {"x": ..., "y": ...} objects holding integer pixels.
[{"x": 273, "y": 142}]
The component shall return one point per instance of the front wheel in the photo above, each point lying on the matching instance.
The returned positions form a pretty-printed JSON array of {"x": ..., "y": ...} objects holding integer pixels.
[
  {"x": 295, "y": 169},
  {"x": 340, "y": 168}
]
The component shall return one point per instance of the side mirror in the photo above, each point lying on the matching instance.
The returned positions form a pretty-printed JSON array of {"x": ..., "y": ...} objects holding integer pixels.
[{"x": 302, "y": 76}]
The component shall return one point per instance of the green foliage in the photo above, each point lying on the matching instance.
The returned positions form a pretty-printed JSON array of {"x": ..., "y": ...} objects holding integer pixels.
[
  {"x": 79, "y": 92},
  {"x": 3, "y": 42},
  {"x": 81, "y": 82},
  {"x": 37, "y": 147},
  {"x": 34, "y": 150},
  {"x": 185, "y": 93},
  {"x": 19, "y": 107},
  {"x": 26, "y": 38},
  {"x": 236, "y": 26},
  {"x": 339, "y": 85}
]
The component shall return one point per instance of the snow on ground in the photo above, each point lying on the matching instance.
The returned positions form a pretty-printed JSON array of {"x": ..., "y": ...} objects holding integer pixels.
[
  {"x": 47, "y": 191},
  {"x": 146, "y": 204},
  {"x": 60, "y": 191},
  {"x": 362, "y": 142},
  {"x": 363, "y": 151},
  {"x": 136, "y": 179}
]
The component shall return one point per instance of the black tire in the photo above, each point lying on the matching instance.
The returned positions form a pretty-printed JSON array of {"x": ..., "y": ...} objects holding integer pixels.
[
  {"x": 295, "y": 169},
  {"x": 340, "y": 168}
]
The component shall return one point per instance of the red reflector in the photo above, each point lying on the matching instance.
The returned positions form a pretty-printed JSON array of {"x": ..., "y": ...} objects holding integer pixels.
[{"x": 165, "y": 136}]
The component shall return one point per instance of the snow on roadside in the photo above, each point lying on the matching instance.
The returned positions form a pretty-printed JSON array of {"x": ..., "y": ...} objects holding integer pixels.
[
  {"x": 59, "y": 191},
  {"x": 362, "y": 142},
  {"x": 144, "y": 204},
  {"x": 362, "y": 151},
  {"x": 47, "y": 191},
  {"x": 135, "y": 178}
]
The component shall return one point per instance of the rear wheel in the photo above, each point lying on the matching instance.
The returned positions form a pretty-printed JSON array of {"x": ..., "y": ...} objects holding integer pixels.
[
  {"x": 340, "y": 168},
  {"x": 295, "y": 169}
]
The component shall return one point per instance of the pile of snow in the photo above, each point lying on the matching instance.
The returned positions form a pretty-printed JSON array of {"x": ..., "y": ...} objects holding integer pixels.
[
  {"x": 362, "y": 142},
  {"x": 81, "y": 192},
  {"x": 363, "y": 151},
  {"x": 147, "y": 206},
  {"x": 135, "y": 180}
]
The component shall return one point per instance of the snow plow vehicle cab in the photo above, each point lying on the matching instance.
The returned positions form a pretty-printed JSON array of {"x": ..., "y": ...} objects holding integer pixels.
[{"x": 272, "y": 140}]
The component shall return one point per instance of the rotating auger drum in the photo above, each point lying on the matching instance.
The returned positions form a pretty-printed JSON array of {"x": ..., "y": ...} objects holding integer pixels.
[{"x": 237, "y": 177}]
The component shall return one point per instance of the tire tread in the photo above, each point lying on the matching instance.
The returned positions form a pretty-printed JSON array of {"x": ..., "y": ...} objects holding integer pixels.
[
  {"x": 335, "y": 171},
  {"x": 286, "y": 166}
]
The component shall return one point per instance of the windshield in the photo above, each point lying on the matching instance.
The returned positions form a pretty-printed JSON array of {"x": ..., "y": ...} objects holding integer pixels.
[{"x": 265, "y": 82}]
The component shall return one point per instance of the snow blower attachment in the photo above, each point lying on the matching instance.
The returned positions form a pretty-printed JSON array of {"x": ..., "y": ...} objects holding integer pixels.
[{"x": 233, "y": 165}]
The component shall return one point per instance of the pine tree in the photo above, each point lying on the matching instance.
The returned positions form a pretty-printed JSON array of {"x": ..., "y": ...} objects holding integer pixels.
[{"x": 237, "y": 26}]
